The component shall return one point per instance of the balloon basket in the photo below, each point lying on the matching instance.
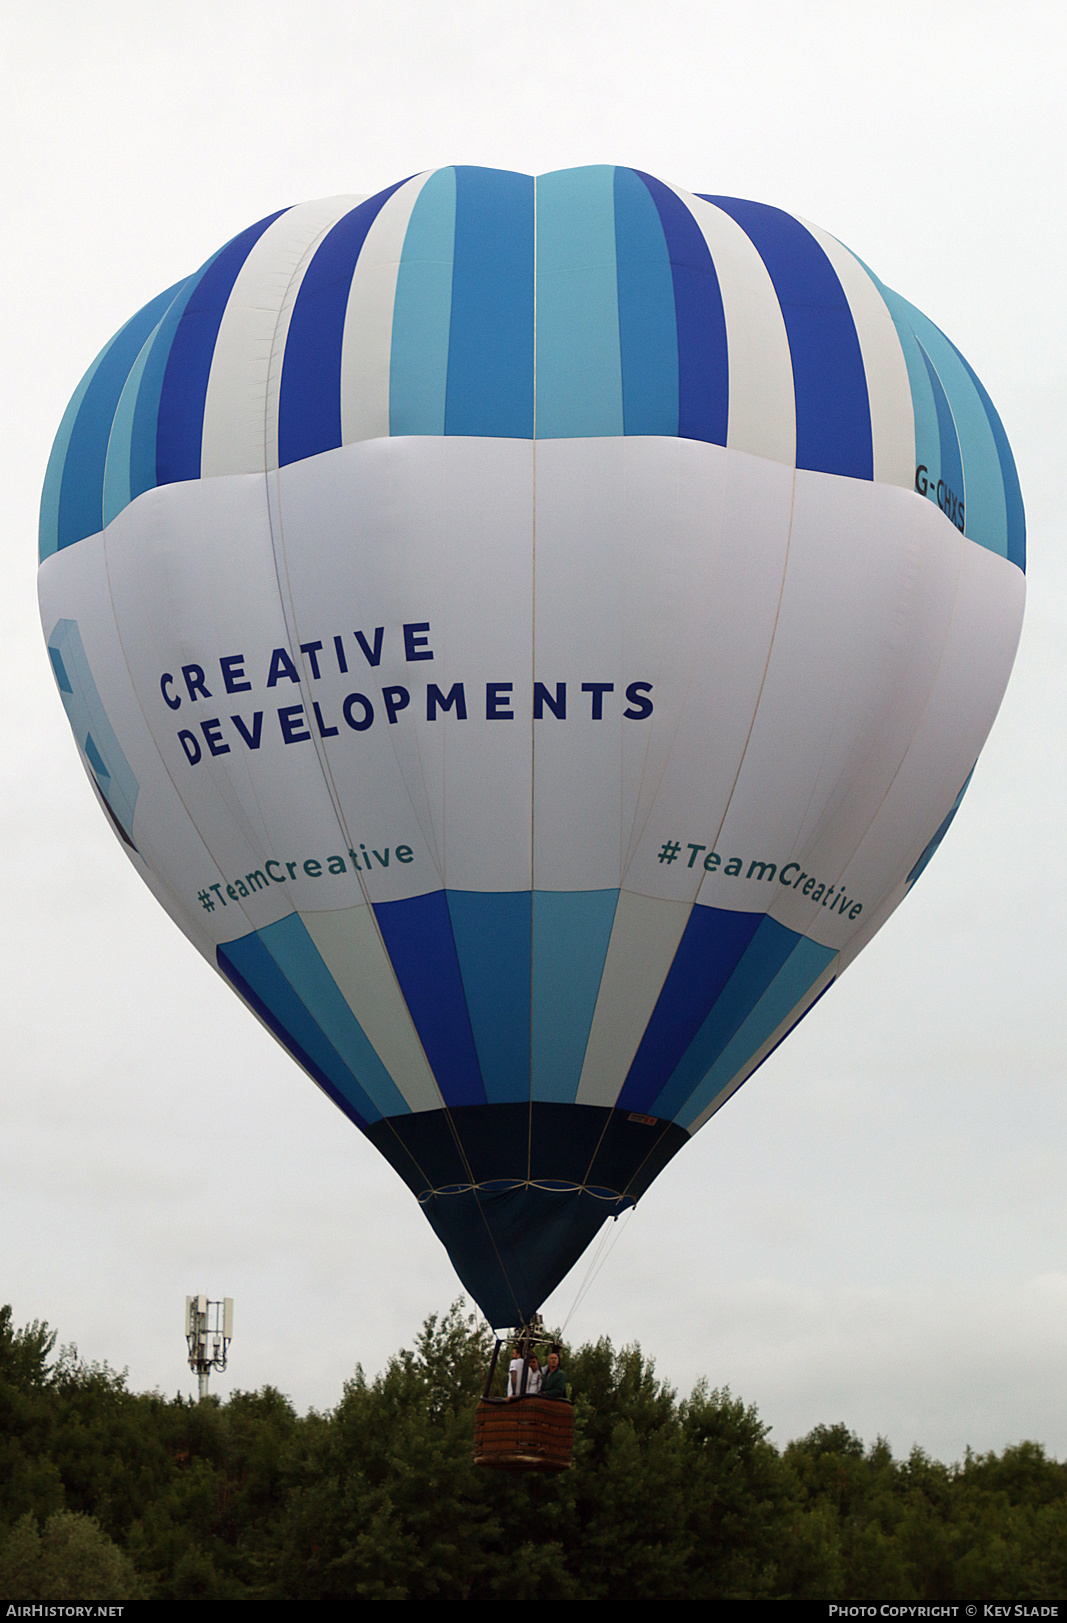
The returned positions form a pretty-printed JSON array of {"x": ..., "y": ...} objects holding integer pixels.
[{"x": 524, "y": 1434}]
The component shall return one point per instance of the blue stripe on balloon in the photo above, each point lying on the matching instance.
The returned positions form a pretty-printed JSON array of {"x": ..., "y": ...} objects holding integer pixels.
[
  {"x": 789, "y": 1029},
  {"x": 117, "y": 493},
  {"x": 579, "y": 369},
  {"x": 299, "y": 960},
  {"x": 1013, "y": 496},
  {"x": 74, "y": 483},
  {"x": 713, "y": 943},
  {"x": 491, "y": 348},
  {"x": 767, "y": 951},
  {"x": 571, "y": 931},
  {"x": 252, "y": 969},
  {"x": 986, "y": 506},
  {"x": 805, "y": 963},
  {"x": 48, "y": 523},
  {"x": 492, "y": 935},
  {"x": 924, "y": 406},
  {"x": 951, "y": 481},
  {"x": 422, "y": 311},
  {"x": 829, "y": 383},
  {"x": 703, "y": 364},
  {"x": 421, "y": 946},
  {"x": 648, "y": 332},
  {"x": 180, "y": 426},
  {"x": 309, "y": 402},
  {"x": 145, "y": 426},
  {"x": 939, "y": 833}
]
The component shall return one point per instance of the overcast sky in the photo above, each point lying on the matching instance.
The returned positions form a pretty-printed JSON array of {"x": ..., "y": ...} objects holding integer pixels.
[{"x": 875, "y": 1229}]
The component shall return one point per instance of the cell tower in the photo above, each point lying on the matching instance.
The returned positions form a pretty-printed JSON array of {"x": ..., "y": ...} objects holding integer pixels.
[{"x": 208, "y": 1331}]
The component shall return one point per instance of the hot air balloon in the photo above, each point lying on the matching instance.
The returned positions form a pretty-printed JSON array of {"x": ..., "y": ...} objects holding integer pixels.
[{"x": 530, "y": 634}]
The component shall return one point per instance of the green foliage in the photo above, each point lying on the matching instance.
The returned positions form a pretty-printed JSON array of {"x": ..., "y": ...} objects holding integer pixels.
[
  {"x": 24, "y": 1353},
  {"x": 669, "y": 1498},
  {"x": 72, "y": 1560}
]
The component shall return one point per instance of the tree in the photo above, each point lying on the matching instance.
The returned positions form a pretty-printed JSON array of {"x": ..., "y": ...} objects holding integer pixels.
[
  {"x": 72, "y": 1560},
  {"x": 24, "y": 1353}
]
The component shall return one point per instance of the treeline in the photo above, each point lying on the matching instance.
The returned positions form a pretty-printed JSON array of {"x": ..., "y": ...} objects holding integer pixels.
[{"x": 112, "y": 1494}]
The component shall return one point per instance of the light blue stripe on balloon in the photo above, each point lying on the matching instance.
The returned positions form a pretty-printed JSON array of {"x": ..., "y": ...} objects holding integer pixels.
[
  {"x": 81, "y": 496},
  {"x": 53, "y": 479},
  {"x": 491, "y": 930},
  {"x": 762, "y": 960},
  {"x": 117, "y": 493},
  {"x": 986, "y": 511},
  {"x": 422, "y": 311},
  {"x": 579, "y": 367},
  {"x": 795, "y": 978},
  {"x": 648, "y": 328},
  {"x": 255, "y": 975},
  {"x": 1013, "y": 496},
  {"x": 571, "y": 931},
  {"x": 986, "y": 518},
  {"x": 953, "y": 480},
  {"x": 145, "y": 428},
  {"x": 297, "y": 956}
]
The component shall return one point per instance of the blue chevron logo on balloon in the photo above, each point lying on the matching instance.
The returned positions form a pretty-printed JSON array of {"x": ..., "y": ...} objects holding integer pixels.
[{"x": 101, "y": 750}]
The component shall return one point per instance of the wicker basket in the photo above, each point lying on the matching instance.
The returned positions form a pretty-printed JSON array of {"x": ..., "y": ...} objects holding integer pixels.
[{"x": 525, "y": 1434}]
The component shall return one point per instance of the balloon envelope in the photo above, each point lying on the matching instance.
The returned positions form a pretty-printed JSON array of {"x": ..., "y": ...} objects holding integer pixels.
[{"x": 529, "y": 635}]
